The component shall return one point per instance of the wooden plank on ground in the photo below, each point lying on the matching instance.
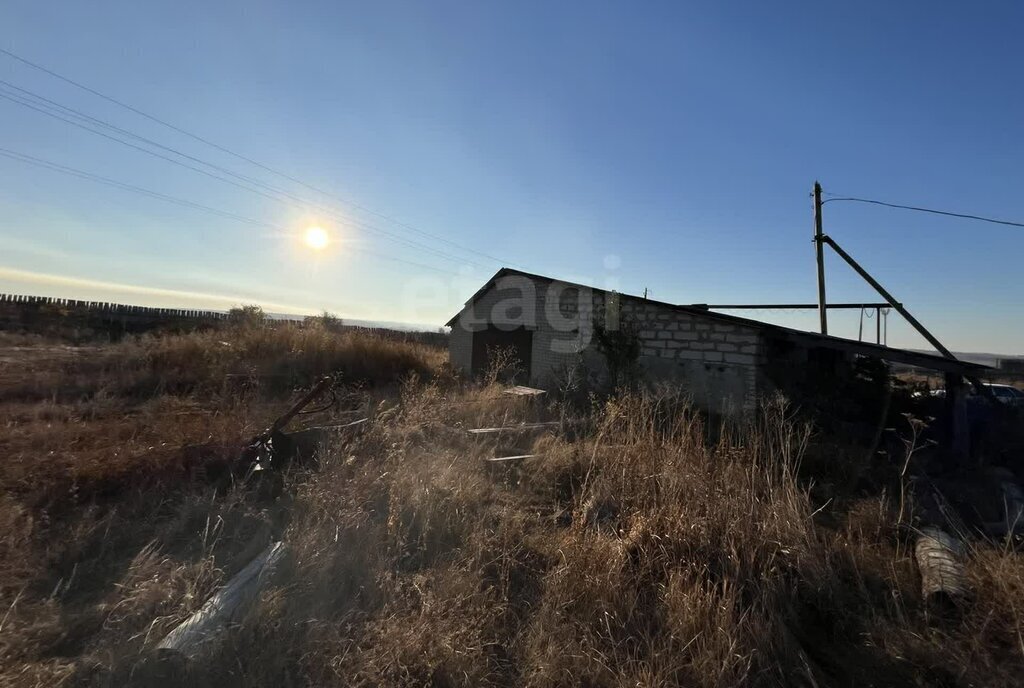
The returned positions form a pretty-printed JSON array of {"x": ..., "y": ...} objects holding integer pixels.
[
  {"x": 513, "y": 428},
  {"x": 511, "y": 458}
]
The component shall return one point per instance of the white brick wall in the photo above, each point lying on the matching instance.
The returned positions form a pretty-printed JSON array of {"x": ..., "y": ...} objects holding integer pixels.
[
  {"x": 715, "y": 359},
  {"x": 460, "y": 348},
  {"x": 552, "y": 313}
]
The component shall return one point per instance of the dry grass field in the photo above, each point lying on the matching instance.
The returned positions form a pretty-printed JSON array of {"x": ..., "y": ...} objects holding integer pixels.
[{"x": 641, "y": 546}]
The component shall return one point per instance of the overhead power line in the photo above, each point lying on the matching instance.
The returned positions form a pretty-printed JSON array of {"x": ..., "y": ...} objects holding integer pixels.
[
  {"x": 45, "y": 102},
  {"x": 44, "y": 109},
  {"x": 81, "y": 174},
  {"x": 274, "y": 193},
  {"x": 251, "y": 161},
  {"x": 39, "y": 162},
  {"x": 925, "y": 210}
]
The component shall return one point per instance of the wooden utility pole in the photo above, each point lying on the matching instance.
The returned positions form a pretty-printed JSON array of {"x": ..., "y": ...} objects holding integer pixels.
[{"x": 819, "y": 250}]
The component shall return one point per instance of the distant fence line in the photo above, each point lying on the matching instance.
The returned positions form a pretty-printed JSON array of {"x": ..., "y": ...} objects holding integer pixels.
[
  {"x": 111, "y": 308},
  {"x": 17, "y": 307}
]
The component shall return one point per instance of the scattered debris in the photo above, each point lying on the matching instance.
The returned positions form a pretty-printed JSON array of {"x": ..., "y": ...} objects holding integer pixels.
[
  {"x": 227, "y": 606},
  {"x": 274, "y": 450},
  {"x": 521, "y": 391},
  {"x": 319, "y": 388},
  {"x": 512, "y": 458},
  {"x": 939, "y": 557},
  {"x": 513, "y": 428}
]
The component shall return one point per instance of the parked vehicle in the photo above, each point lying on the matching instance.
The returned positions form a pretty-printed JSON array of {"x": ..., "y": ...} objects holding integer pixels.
[{"x": 1006, "y": 394}]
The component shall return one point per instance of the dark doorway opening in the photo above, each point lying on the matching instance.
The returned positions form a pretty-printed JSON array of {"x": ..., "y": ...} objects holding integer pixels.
[{"x": 519, "y": 342}]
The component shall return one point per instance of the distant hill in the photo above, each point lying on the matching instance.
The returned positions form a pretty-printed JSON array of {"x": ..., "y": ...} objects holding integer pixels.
[
  {"x": 976, "y": 357},
  {"x": 382, "y": 324},
  {"x": 981, "y": 358}
]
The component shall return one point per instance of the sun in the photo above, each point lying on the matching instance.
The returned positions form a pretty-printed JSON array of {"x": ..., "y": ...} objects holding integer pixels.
[{"x": 316, "y": 238}]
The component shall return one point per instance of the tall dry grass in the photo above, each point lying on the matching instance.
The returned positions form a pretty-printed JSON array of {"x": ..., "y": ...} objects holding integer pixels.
[
  {"x": 117, "y": 413},
  {"x": 639, "y": 553},
  {"x": 111, "y": 531},
  {"x": 266, "y": 359},
  {"x": 639, "y": 547}
]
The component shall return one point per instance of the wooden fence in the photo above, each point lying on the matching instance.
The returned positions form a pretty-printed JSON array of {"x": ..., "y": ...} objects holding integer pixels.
[
  {"x": 21, "y": 301},
  {"x": 44, "y": 313}
]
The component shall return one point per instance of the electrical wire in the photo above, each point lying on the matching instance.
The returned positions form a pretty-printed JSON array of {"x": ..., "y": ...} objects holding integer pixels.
[
  {"x": 251, "y": 161},
  {"x": 386, "y": 234},
  {"x": 41, "y": 108},
  {"x": 52, "y": 104},
  {"x": 923, "y": 210},
  {"x": 56, "y": 167},
  {"x": 49, "y": 104},
  {"x": 39, "y": 162}
]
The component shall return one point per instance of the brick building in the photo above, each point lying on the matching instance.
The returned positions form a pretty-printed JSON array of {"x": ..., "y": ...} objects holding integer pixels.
[{"x": 725, "y": 362}]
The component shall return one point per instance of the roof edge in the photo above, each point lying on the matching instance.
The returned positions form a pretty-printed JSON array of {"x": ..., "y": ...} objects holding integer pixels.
[{"x": 923, "y": 360}]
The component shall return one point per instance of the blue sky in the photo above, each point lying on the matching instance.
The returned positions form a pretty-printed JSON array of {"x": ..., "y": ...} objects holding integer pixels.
[{"x": 629, "y": 145}]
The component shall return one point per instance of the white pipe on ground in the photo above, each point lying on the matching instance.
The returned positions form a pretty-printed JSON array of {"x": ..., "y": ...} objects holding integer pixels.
[
  {"x": 939, "y": 557},
  {"x": 229, "y": 605}
]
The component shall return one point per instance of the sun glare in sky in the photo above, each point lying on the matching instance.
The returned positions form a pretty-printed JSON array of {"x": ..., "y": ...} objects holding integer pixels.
[{"x": 316, "y": 238}]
